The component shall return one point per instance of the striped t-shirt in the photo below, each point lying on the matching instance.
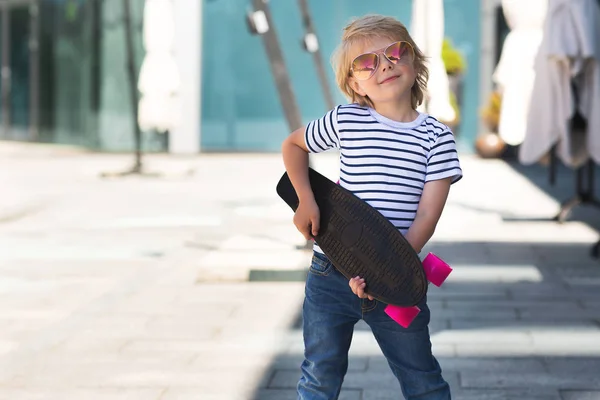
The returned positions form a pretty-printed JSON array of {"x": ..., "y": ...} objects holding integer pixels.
[{"x": 384, "y": 162}]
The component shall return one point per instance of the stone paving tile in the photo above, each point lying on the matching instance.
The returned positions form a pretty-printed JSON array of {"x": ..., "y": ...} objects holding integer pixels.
[
  {"x": 453, "y": 367},
  {"x": 91, "y": 344},
  {"x": 481, "y": 314},
  {"x": 585, "y": 339},
  {"x": 461, "y": 394},
  {"x": 527, "y": 324},
  {"x": 353, "y": 380},
  {"x": 291, "y": 394},
  {"x": 293, "y": 363},
  {"x": 518, "y": 253},
  {"x": 565, "y": 254},
  {"x": 547, "y": 313},
  {"x": 493, "y": 365},
  {"x": 572, "y": 365},
  {"x": 59, "y": 358},
  {"x": 559, "y": 305},
  {"x": 495, "y": 350},
  {"x": 507, "y": 394},
  {"x": 497, "y": 336},
  {"x": 580, "y": 394},
  {"x": 486, "y": 274},
  {"x": 144, "y": 345},
  {"x": 473, "y": 295},
  {"x": 483, "y": 379},
  {"x": 458, "y": 291},
  {"x": 79, "y": 394},
  {"x": 382, "y": 394},
  {"x": 115, "y": 326},
  {"x": 365, "y": 380},
  {"x": 230, "y": 392},
  {"x": 131, "y": 375},
  {"x": 7, "y": 346},
  {"x": 180, "y": 328},
  {"x": 220, "y": 360}
]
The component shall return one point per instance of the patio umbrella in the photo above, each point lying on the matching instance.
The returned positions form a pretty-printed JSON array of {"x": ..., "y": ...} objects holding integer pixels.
[
  {"x": 427, "y": 29},
  {"x": 515, "y": 72},
  {"x": 159, "y": 77}
]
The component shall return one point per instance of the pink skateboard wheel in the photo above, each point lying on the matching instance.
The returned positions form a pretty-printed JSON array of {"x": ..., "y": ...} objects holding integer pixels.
[
  {"x": 402, "y": 315},
  {"x": 436, "y": 269}
]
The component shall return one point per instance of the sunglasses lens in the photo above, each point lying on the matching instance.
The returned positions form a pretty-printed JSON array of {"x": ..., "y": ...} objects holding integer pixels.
[
  {"x": 364, "y": 66},
  {"x": 399, "y": 52}
]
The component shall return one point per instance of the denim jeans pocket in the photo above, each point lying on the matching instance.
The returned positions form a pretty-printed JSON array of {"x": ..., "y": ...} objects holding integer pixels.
[{"x": 320, "y": 265}]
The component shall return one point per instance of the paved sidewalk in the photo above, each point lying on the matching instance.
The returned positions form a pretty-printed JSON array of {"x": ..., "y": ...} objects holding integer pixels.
[{"x": 157, "y": 288}]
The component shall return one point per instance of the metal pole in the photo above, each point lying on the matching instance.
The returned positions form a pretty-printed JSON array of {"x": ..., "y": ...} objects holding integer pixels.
[
  {"x": 95, "y": 11},
  {"x": 34, "y": 71},
  {"x": 278, "y": 68},
  {"x": 133, "y": 94},
  {"x": 310, "y": 33},
  {"x": 6, "y": 70},
  {"x": 137, "y": 168},
  {"x": 311, "y": 39}
]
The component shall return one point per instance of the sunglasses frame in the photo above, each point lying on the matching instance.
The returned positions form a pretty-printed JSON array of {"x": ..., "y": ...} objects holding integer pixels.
[{"x": 378, "y": 55}]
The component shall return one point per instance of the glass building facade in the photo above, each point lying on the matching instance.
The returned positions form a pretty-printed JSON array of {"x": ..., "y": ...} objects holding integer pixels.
[{"x": 65, "y": 75}]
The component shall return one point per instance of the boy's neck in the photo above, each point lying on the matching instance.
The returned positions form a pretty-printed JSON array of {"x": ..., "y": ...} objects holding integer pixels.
[{"x": 402, "y": 112}]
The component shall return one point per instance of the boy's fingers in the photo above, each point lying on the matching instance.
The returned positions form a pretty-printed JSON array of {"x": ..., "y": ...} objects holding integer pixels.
[
  {"x": 315, "y": 226},
  {"x": 358, "y": 285},
  {"x": 354, "y": 285},
  {"x": 361, "y": 290}
]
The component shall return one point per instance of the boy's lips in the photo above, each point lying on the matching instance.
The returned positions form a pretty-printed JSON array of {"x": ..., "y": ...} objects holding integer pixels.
[{"x": 391, "y": 78}]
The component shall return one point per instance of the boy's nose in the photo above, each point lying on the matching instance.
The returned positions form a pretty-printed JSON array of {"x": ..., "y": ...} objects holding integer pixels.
[
  {"x": 386, "y": 64},
  {"x": 387, "y": 67}
]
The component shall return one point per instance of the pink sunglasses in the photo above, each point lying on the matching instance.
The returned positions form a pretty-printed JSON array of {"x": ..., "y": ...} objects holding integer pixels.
[{"x": 364, "y": 66}]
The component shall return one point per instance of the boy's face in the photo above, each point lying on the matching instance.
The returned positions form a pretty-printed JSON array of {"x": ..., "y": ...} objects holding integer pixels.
[{"x": 390, "y": 82}]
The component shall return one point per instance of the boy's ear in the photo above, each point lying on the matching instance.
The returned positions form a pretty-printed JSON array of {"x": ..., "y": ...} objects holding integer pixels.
[{"x": 356, "y": 87}]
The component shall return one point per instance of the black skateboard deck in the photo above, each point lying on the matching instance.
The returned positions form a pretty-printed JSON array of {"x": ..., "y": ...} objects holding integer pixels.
[{"x": 360, "y": 241}]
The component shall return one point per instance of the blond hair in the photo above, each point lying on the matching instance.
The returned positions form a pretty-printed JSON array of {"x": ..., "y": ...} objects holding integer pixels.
[{"x": 367, "y": 27}]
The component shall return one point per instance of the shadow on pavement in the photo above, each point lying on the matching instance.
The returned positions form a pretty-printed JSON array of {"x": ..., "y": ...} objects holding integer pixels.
[
  {"x": 514, "y": 320},
  {"x": 564, "y": 189}
]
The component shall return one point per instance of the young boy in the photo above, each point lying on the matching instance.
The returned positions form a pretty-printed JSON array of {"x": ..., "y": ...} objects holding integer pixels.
[{"x": 402, "y": 163}]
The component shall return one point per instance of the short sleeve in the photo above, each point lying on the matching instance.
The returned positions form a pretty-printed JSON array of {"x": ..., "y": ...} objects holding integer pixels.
[
  {"x": 443, "y": 159},
  {"x": 322, "y": 134}
]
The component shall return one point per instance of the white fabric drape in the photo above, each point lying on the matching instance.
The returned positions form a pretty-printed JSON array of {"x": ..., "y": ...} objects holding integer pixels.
[
  {"x": 569, "y": 52},
  {"x": 515, "y": 71},
  {"x": 158, "y": 82},
  {"x": 427, "y": 30}
]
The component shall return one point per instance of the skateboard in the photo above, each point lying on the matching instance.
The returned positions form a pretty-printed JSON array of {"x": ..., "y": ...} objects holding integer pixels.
[{"x": 360, "y": 241}]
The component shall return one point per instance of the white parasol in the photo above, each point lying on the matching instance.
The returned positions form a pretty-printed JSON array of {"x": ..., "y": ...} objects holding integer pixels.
[
  {"x": 427, "y": 30},
  {"x": 159, "y": 77}
]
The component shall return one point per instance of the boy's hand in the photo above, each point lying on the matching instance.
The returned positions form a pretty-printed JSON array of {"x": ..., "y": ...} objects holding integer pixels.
[
  {"x": 307, "y": 218},
  {"x": 358, "y": 285}
]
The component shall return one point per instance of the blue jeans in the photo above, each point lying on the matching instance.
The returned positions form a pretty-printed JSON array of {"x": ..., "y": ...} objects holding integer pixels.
[{"x": 330, "y": 312}]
